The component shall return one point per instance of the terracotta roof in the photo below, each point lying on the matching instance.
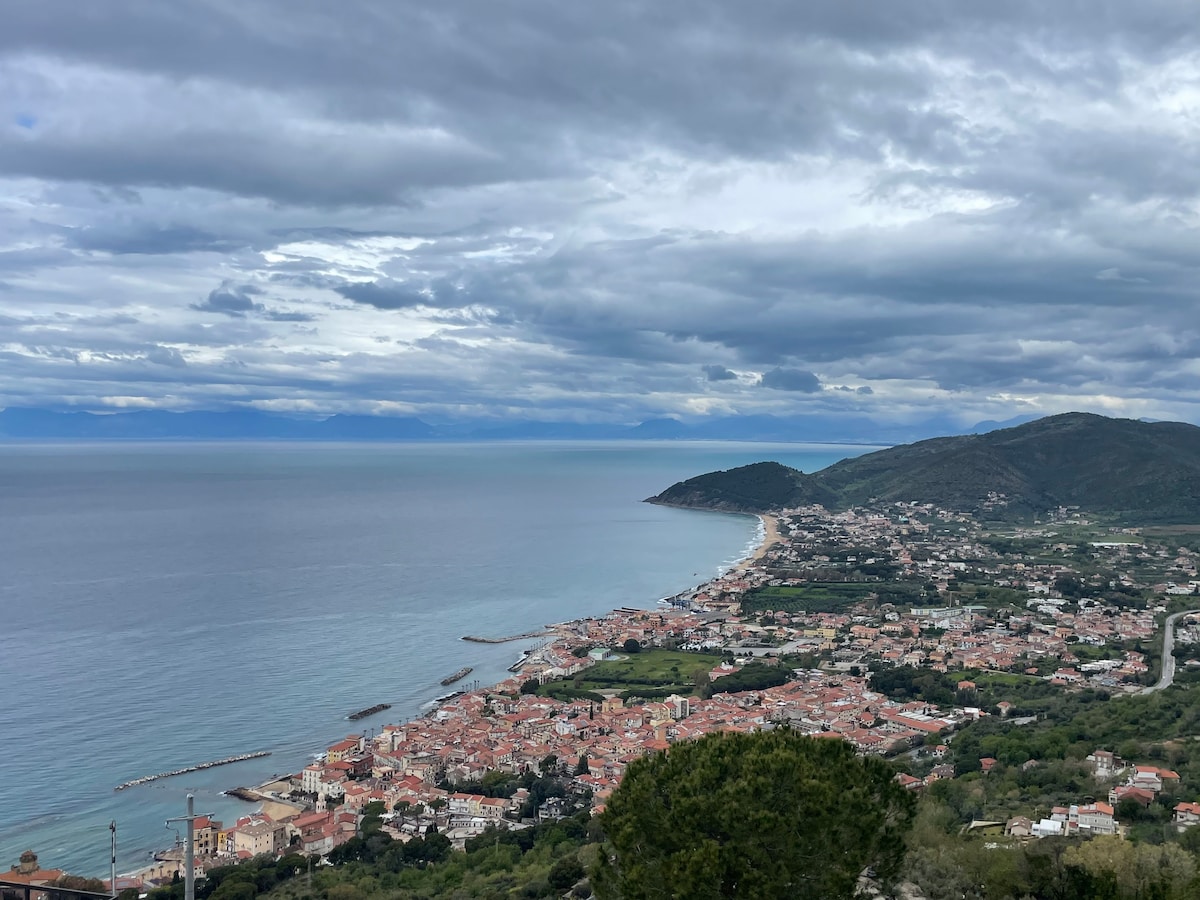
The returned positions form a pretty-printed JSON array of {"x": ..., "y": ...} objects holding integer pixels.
[{"x": 37, "y": 877}]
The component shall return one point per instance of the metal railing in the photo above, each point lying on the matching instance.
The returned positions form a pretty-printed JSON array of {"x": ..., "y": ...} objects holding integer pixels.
[{"x": 17, "y": 890}]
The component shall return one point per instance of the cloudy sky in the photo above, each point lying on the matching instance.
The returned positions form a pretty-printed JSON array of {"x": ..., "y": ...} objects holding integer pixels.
[{"x": 601, "y": 212}]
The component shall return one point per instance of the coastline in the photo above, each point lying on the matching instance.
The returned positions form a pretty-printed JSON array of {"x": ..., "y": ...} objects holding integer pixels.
[
  {"x": 771, "y": 537},
  {"x": 417, "y": 583},
  {"x": 770, "y": 524}
]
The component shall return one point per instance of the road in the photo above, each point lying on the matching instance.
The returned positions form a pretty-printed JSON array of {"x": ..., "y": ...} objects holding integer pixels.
[{"x": 1168, "y": 658}]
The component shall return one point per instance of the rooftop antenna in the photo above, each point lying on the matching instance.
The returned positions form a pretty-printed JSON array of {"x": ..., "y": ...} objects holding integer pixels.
[{"x": 189, "y": 850}]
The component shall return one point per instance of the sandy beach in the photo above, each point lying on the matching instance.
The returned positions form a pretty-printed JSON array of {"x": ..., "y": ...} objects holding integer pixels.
[{"x": 770, "y": 538}]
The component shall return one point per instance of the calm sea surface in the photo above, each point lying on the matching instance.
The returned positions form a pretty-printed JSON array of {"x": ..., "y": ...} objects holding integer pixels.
[{"x": 164, "y": 605}]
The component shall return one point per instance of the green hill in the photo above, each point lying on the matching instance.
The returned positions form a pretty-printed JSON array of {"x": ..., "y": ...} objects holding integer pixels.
[
  {"x": 1134, "y": 471},
  {"x": 754, "y": 488}
]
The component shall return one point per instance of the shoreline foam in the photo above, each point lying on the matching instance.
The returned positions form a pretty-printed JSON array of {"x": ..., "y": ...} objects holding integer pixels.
[{"x": 770, "y": 537}]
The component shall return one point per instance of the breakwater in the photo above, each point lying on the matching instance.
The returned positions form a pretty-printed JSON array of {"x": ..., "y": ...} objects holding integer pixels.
[
  {"x": 146, "y": 779},
  {"x": 459, "y": 675},
  {"x": 244, "y": 793},
  {"x": 528, "y": 635},
  {"x": 369, "y": 711}
]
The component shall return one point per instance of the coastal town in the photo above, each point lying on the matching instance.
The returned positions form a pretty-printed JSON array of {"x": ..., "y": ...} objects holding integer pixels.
[{"x": 825, "y": 630}]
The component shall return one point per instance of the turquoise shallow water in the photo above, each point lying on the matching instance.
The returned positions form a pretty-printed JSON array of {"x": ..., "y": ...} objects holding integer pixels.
[{"x": 164, "y": 605}]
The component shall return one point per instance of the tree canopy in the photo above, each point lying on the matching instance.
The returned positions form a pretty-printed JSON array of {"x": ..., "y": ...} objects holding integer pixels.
[{"x": 771, "y": 814}]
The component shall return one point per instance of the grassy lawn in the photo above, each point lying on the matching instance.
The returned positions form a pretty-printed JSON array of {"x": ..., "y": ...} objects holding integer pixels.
[
  {"x": 662, "y": 666},
  {"x": 1090, "y": 652},
  {"x": 994, "y": 678},
  {"x": 651, "y": 672}
]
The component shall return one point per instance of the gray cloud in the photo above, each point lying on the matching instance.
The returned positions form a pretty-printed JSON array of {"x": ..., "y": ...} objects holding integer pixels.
[
  {"x": 791, "y": 380},
  {"x": 718, "y": 373},
  {"x": 237, "y": 301},
  {"x": 387, "y": 295},
  {"x": 571, "y": 210},
  {"x": 276, "y": 315},
  {"x": 146, "y": 238},
  {"x": 232, "y": 300}
]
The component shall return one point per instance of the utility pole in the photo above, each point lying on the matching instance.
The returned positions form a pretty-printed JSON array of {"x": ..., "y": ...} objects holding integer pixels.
[
  {"x": 189, "y": 850},
  {"x": 112, "y": 827}
]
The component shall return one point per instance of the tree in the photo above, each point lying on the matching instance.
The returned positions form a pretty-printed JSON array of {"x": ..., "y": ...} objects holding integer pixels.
[
  {"x": 530, "y": 686},
  {"x": 632, "y": 645},
  {"x": 375, "y": 808},
  {"x": 565, "y": 872},
  {"x": 1069, "y": 586},
  {"x": 1135, "y": 870},
  {"x": 235, "y": 889},
  {"x": 770, "y": 814}
]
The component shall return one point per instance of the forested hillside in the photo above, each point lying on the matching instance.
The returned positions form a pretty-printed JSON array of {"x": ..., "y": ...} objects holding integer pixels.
[{"x": 1136, "y": 471}]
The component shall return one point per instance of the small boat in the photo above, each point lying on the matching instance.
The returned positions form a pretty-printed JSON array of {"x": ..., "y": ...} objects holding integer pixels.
[{"x": 457, "y": 676}]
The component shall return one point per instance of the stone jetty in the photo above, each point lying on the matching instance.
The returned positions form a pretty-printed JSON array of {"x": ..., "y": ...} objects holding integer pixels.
[
  {"x": 146, "y": 779},
  {"x": 369, "y": 711},
  {"x": 458, "y": 675},
  {"x": 528, "y": 635}
]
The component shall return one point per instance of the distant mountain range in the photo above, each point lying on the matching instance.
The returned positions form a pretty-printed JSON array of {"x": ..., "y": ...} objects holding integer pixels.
[
  {"x": 43, "y": 424},
  {"x": 1138, "y": 472}
]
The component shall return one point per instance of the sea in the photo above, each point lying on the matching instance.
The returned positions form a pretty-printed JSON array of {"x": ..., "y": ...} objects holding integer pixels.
[{"x": 163, "y": 605}]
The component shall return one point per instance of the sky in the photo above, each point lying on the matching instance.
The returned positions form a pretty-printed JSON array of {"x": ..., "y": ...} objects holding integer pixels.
[{"x": 601, "y": 212}]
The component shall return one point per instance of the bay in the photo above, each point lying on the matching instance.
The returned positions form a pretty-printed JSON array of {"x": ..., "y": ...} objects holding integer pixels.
[{"x": 162, "y": 605}]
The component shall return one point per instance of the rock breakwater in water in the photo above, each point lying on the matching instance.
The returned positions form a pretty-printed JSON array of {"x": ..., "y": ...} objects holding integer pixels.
[{"x": 146, "y": 779}]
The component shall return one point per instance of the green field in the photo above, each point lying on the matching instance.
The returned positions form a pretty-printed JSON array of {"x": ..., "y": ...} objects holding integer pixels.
[
  {"x": 1090, "y": 652},
  {"x": 995, "y": 679},
  {"x": 651, "y": 673},
  {"x": 827, "y": 596}
]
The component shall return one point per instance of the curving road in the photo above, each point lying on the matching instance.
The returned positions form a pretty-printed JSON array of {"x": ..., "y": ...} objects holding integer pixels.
[{"x": 1168, "y": 659}]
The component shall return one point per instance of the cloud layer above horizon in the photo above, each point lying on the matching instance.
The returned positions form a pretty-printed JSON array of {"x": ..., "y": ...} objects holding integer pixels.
[{"x": 602, "y": 212}]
